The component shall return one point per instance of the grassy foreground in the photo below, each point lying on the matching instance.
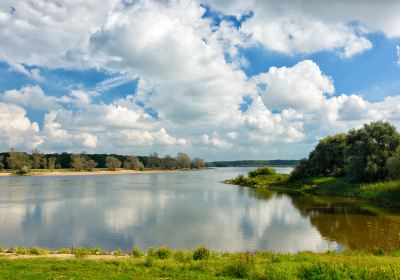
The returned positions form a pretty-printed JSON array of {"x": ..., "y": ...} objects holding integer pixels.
[
  {"x": 385, "y": 193},
  {"x": 164, "y": 263}
]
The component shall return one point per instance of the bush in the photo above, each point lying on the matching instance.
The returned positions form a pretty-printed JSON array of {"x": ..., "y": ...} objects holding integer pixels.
[
  {"x": 81, "y": 252},
  {"x": 201, "y": 253},
  {"x": 21, "y": 250},
  {"x": 393, "y": 165},
  {"x": 38, "y": 251},
  {"x": 117, "y": 253},
  {"x": 136, "y": 252},
  {"x": 65, "y": 251},
  {"x": 163, "y": 253},
  {"x": 262, "y": 171},
  {"x": 237, "y": 270}
]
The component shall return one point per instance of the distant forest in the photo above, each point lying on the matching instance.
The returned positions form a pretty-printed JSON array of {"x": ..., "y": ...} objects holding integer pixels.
[{"x": 275, "y": 162}]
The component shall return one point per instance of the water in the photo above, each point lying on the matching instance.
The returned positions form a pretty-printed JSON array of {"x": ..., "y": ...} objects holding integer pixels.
[{"x": 183, "y": 210}]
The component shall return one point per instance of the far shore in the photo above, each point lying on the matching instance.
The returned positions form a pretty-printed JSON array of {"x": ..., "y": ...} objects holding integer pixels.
[{"x": 66, "y": 172}]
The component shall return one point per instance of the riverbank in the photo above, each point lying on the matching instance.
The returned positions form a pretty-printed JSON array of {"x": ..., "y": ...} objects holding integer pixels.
[
  {"x": 386, "y": 194},
  {"x": 201, "y": 264},
  {"x": 70, "y": 172}
]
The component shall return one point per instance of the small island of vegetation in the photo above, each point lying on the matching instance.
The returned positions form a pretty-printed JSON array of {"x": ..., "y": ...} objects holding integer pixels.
[{"x": 363, "y": 164}]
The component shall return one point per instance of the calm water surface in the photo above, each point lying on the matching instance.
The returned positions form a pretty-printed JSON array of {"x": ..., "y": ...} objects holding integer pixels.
[{"x": 183, "y": 210}]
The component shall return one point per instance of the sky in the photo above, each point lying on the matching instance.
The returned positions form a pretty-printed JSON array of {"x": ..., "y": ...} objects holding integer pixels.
[{"x": 219, "y": 79}]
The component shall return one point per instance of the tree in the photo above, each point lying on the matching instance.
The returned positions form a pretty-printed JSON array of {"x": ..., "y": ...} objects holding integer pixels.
[
  {"x": 393, "y": 165},
  {"x": 302, "y": 170},
  {"x": 1, "y": 162},
  {"x": 169, "y": 162},
  {"x": 183, "y": 160},
  {"x": 327, "y": 159},
  {"x": 51, "y": 163},
  {"x": 154, "y": 161},
  {"x": 37, "y": 159},
  {"x": 78, "y": 161},
  {"x": 368, "y": 149},
  {"x": 112, "y": 163},
  {"x": 18, "y": 160},
  {"x": 133, "y": 163},
  {"x": 198, "y": 163},
  {"x": 90, "y": 165}
]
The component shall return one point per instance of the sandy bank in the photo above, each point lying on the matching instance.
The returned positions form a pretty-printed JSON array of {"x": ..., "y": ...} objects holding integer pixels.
[{"x": 98, "y": 172}]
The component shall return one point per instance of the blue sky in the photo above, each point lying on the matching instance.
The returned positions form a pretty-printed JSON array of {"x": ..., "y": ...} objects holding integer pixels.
[{"x": 216, "y": 79}]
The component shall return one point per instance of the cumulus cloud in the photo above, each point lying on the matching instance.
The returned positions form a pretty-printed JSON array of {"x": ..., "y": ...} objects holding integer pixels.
[
  {"x": 57, "y": 33},
  {"x": 312, "y": 26},
  {"x": 302, "y": 86},
  {"x": 104, "y": 126},
  {"x": 32, "y": 97},
  {"x": 17, "y": 130},
  {"x": 215, "y": 141},
  {"x": 179, "y": 59}
]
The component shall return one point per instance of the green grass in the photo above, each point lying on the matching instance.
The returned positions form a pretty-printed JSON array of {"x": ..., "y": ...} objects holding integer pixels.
[
  {"x": 385, "y": 193},
  {"x": 183, "y": 265}
]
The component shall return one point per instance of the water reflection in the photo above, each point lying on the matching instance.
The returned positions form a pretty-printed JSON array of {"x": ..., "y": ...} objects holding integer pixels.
[{"x": 180, "y": 210}]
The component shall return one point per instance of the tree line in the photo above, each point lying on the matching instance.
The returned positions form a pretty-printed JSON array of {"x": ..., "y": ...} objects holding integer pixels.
[
  {"x": 251, "y": 163},
  {"x": 22, "y": 162},
  {"x": 368, "y": 154}
]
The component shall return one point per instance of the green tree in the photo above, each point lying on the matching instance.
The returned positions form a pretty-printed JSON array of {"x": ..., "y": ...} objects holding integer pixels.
[
  {"x": 302, "y": 170},
  {"x": 327, "y": 159},
  {"x": 18, "y": 161},
  {"x": 393, "y": 165},
  {"x": 1, "y": 162},
  {"x": 154, "y": 161},
  {"x": 90, "y": 164},
  {"x": 37, "y": 159},
  {"x": 169, "y": 162},
  {"x": 112, "y": 163},
  {"x": 183, "y": 160},
  {"x": 368, "y": 149},
  {"x": 79, "y": 161},
  {"x": 198, "y": 163},
  {"x": 51, "y": 162},
  {"x": 133, "y": 163}
]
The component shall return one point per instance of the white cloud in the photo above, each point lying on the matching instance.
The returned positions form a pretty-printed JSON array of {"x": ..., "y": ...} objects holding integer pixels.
[
  {"x": 302, "y": 86},
  {"x": 216, "y": 142},
  {"x": 50, "y": 34},
  {"x": 105, "y": 127},
  {"x": 179, "y": 59},
  {"x": 17, "y": 130},
  {"x": 32, "y": 97},
  {"x": 311, "y": 26}
]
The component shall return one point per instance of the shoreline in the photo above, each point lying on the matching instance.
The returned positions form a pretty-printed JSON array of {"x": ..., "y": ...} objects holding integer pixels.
[{"x": 96, "y": 172}]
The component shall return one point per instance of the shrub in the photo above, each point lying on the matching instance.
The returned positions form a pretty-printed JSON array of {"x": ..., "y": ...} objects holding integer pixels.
[
  {"x": 38, "y": 251},
  {"x": 117, "y": 253},
  {"x": 81, "y": 252},
  {"x": 21, "y": 250},
  {"x": 163, "y": 253},
  {"x": 65, "y": 251},
  {"x": 136, "y": 252},
  {"x": 237, "y": 270},
  {"x": 262, "y": 171},
  {"x": 182, "y": 256},
  {"x": 201, "y": 253}
]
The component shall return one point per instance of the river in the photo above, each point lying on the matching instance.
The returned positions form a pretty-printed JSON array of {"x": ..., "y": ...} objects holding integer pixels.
[{"x": 183, "y": 210}]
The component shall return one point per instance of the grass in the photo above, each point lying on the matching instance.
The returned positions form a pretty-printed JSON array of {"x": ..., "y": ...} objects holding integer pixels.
[
  {"x": 385, "y": 193},
  {"x": 178, "y": 264}
]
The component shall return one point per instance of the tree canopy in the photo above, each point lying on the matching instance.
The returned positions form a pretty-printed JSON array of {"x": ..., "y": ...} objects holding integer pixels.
[{"x": 363, "y": 155}]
